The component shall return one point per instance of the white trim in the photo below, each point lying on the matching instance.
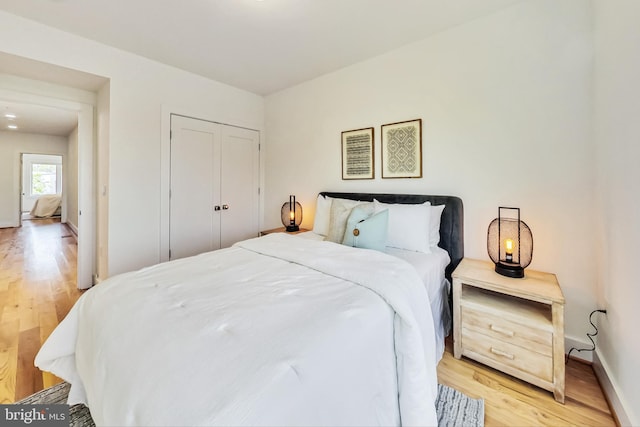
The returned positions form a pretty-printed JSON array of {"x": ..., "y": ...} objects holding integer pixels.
[
  {"x": 612, "y": 391},
  {"x": 73, "y": 228},
  {"x": 165, "y": 179},
  {"x": 572, "y": 342},
  {"x": 86, "y": 197}
]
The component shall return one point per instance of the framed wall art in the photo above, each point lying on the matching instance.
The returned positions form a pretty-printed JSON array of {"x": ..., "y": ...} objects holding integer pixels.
[
  {"x": 402, "y": 149},
  {"x": 357, "y": 154}
]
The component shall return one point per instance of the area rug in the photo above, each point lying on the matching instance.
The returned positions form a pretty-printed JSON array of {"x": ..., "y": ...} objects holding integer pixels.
[
  {"x": 79, "y": 415},
  {"x": 454, "y": 409},
  {"x": 457, "y": 409}
]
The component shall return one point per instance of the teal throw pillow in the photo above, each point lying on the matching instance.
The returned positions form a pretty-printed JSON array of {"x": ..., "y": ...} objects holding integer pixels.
[{"x": 366, "y": 231}]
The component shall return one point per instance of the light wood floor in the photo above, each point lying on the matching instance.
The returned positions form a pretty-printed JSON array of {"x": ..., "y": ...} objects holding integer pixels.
[
  {"x": 511, "y": 402},
  {"x": 37, "y": 289},
  {"x": 38, "y": 286}
]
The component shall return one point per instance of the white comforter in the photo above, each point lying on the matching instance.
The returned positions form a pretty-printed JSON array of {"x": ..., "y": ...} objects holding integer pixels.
[{"x": 274, "y": 331}]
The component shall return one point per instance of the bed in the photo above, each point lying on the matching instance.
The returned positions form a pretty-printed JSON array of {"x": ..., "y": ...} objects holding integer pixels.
[
  {"x": 276, "y": 330},
  {"x": 47, "y": 206},
  {"x": 435, "y": 268}
]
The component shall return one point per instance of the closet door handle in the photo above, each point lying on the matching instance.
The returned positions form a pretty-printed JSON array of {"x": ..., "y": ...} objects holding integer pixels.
[
  {"x": 225, "y": 207},
  {"x": 216, "y": 208}
]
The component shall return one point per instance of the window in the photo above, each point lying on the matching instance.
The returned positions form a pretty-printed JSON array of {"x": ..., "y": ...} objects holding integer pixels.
[{"x": 43, "y": 179}]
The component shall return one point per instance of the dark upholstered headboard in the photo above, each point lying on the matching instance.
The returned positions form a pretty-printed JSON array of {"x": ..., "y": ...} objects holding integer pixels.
[{"x": 451, "y": 222}]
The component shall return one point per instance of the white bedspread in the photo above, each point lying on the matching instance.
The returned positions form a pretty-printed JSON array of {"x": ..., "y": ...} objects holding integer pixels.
[
  {"x": 274, "y": 331},
  {"x": 431, "y": 269}
]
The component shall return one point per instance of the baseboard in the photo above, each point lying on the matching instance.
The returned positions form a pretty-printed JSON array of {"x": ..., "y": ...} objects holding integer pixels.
[
  {"x": 572, "y": 342},
  {"x": 616, "y": 401},
  {"x": 73, "y": 228}
]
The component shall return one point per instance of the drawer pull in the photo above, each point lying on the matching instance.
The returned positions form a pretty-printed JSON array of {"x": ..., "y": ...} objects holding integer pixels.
[
  {"x": 502, "y": 353},
  {"x": 502, "y": 331}
]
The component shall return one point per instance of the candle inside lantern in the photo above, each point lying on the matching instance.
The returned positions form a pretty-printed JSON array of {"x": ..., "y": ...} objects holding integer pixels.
[
  {"x": 508, "y": 250},
  {"x": 292, "y": 210}
]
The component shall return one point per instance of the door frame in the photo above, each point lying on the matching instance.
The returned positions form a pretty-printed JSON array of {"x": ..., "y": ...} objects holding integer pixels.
[
  {"x": 20, "y": 189},
  {"x": 63, "y": 179},
  {"x": 86, "y": 260}
]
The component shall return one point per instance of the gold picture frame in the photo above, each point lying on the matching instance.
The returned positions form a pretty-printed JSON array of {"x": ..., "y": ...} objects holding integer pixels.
[
  {"x": 358, "y": 154},
  {"x": 401, "y": 146}
]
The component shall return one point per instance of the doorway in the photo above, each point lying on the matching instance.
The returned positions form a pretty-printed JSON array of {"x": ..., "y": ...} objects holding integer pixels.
[
  {"x": 86, "y": 222},
  {"x": 41, "y": 186}
]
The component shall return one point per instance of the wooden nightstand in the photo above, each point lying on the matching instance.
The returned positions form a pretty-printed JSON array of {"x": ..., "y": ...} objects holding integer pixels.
[
  {"x": 281, "y": 230},
  {"x": 513, "y": 325}
]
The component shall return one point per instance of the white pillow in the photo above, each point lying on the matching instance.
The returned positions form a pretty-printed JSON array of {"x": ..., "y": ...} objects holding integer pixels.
[
  {"x": 322, "y": 215},
  {"x": 409, "y": 226},
  {"x": 434, "y": 227},
  {"x": 340, "y": 211}
]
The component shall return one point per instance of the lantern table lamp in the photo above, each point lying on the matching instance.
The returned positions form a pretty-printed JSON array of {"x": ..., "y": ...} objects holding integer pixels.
[
  {"x": 291, "y": 214},
  {"x": 510, "y": 243}
]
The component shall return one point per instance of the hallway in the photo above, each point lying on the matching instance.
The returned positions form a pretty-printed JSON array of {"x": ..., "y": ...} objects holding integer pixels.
[{"x": 37, "y": 289}]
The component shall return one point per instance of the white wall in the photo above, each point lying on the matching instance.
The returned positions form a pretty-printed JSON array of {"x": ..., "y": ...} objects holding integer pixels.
[
  {"x": 505, "y": 103},
  {"x": 12, "y": 144},
  {"x": 139, "y": 89},
  {"x": 617, "y": 130}
]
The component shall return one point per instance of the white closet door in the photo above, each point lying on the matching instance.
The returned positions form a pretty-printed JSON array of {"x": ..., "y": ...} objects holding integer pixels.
[
  {"x": 195, "y": 182},
  {"x": 240, "y": 178}
]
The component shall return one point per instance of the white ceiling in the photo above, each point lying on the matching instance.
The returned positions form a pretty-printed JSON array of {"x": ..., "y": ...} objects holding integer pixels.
[
  {"x": 259, "y": 46},
  {"x": 37, "y": 119}
]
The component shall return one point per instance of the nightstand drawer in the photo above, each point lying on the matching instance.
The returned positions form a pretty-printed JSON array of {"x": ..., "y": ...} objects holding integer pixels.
[
  {"x": 521, "y": 334},
  {"x": 499, "y": 353}
]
